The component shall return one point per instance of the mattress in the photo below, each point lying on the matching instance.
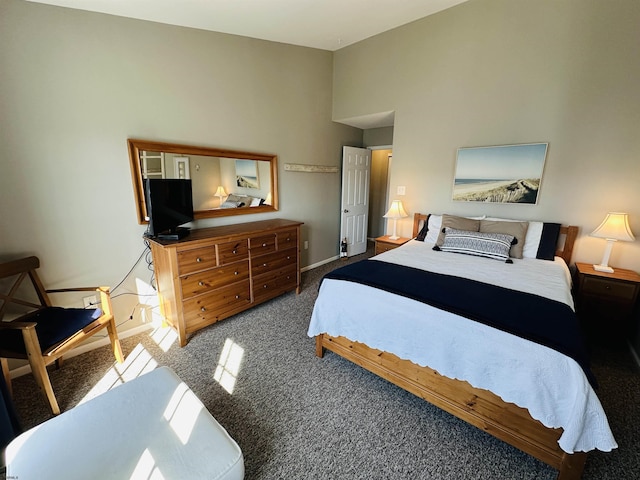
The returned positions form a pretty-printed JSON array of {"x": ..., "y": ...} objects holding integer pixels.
[{"x": 550, "y": 385}]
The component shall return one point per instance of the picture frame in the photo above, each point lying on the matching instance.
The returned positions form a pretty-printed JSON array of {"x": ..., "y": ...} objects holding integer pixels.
[
  {"x": 510, "y": 174},
  {"x": 247, "y": 174}
]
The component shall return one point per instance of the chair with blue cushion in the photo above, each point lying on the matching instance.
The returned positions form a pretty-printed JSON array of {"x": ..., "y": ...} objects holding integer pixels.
[{"x": 45, "y": 333}]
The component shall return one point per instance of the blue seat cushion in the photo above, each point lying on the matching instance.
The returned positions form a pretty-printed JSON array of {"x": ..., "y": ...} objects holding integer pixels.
[{"x": 53, "y": 325}]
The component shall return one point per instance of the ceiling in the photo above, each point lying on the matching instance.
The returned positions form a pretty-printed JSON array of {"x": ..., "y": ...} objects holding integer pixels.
[{"x": 324, "y": 24}]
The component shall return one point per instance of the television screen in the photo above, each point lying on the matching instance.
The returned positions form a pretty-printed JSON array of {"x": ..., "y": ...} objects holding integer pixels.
[{"x": 169, "y": 205}]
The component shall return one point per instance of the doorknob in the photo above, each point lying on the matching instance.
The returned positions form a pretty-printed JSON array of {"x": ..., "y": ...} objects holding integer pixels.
[{"x": 345, "y": 211}]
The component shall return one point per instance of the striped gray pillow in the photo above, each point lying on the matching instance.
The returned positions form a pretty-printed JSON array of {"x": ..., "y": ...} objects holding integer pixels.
[{"x": 489, "y": 245}]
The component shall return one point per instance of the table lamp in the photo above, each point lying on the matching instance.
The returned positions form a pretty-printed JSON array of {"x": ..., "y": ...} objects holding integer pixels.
[
  {"x": 220, "y": 193},
  {"x": 395, "y": 212},
  {"x": 614, "y": 227}
]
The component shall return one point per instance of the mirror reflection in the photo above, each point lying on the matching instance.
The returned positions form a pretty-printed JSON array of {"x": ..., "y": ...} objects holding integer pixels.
[{"x": 225, "y": 182}]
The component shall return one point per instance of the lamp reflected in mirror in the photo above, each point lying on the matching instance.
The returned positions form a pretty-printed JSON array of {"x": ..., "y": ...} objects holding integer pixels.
[{"x": 220, "y": 193}]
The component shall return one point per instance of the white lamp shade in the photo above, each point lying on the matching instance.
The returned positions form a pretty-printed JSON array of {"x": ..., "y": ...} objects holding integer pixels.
[
  {"x": 615, "y": 226},
  {"x": 220, "y": 192},
  {"x": 396, "y": 210}
]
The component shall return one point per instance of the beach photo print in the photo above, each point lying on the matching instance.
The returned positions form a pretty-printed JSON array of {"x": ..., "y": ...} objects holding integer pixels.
[
  {"x": 501, "y": 174},
  {"x": 247, "y": 174}
]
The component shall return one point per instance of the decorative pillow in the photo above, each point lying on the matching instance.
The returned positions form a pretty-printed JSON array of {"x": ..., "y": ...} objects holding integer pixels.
[
  {"x": 541, "y": 240},
  {"x": 424, "y": 230},
  {"x": 457, "y": 223},
  {"x": 255, "y": 202},
  {"x": 517, "y": 229},
  {"x": 488, "y": 245},
  {"x": 234, "y": 201}
]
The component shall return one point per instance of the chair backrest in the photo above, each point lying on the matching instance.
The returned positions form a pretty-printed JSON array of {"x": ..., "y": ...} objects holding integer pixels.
[{"x": 22, "y": 269}]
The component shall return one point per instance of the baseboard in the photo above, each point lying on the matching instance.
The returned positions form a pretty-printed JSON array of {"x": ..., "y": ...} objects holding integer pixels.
[
  {"x": 319, "y": 264},
  {"x": 25, "y": 369}
]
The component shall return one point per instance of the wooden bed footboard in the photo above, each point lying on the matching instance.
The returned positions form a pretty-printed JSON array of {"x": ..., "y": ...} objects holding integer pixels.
[{"x": 481, "y": 408}]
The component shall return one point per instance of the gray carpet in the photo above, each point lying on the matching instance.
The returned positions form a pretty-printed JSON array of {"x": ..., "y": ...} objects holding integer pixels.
[{"x": 296, "y": 416}]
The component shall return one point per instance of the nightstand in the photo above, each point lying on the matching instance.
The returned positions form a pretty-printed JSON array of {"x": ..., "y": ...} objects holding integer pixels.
[
  {"x": 605, "y": 302},
  {"x": 385, "y": 243}
]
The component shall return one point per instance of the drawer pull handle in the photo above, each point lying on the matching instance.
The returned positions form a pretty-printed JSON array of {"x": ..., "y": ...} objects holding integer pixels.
[
  {"x": 198, "y": 259},
  {"x": 236, "y": 272},
  {"x": 201, "y": 284},
  {"x": 202, "y": 309},
  {"x": 264, "y": 264},
  {"x": 288, "y": 257},
  {"x": 265, "y": 286},
  {"x": 264, "y": 244},
  {"x": 234, "y": 252},
  {"x": 237, "y": 297}
]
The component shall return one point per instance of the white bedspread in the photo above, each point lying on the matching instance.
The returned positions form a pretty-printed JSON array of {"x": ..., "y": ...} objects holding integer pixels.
[{"x": 552, "y": 386}]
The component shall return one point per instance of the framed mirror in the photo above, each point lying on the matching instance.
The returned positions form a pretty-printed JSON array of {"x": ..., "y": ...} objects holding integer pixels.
[{"x": 224, "y": 182}]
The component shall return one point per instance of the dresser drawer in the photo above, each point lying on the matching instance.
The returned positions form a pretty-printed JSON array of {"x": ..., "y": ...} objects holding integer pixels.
[
  {"x": 210, "y": 307},
  {"x": 608, "y": 288},
  {"x": 232, "y": 251},
  {"x": 384, "y": 247},
  {"x": 262, "y": 245},
  {"x": 197, "y": 259},
  {"x": 273, "y": 261},
  {"x": 287, "y": 239},
  {"x": 200, "y": 282},
  {"x": 274, "y": 283}
]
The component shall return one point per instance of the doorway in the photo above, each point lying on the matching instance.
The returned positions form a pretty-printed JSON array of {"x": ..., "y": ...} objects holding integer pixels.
[{"x": 381, "y": 158}]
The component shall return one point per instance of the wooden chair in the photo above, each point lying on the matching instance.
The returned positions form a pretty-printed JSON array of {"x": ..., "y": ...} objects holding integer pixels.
[{"x": 44, "y": 335}]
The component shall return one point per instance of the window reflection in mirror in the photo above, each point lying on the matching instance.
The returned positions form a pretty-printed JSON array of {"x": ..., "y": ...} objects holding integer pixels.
[{"x": 224, "y": 182}]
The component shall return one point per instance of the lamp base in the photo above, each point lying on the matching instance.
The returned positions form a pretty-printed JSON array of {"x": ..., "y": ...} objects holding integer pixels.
[
  {"x": 603, "y": 268},
  {"x": 393, "y": 237}
]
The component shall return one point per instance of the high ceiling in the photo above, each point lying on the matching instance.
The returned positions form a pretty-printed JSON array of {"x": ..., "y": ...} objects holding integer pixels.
[{"x": 325, "y": 24}]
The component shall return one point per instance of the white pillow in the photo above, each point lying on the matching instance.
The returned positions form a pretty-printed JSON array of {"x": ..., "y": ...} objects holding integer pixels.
[
  {"x": 532, "y": 240},
  {"x": 435, "y": 224}
]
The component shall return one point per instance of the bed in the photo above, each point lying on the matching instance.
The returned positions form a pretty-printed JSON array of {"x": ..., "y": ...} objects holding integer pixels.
[{"x": 548, "y": 409}]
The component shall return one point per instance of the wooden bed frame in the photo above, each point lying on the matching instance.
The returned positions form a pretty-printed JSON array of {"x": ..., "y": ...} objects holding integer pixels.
[{"x": 478, "y": 407}]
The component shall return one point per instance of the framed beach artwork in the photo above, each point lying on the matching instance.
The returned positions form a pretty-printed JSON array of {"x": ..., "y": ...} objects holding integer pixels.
[
  {"x": 247, "y": 174},
  {"x": 500, "y": 174}
]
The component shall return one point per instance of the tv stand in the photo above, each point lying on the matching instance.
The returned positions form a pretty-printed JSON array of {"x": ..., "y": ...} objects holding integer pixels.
[{"x": 177, "y": 234}]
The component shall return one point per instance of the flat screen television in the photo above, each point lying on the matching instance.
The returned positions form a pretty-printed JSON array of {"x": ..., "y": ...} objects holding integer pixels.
[{"x": 169, "y": 205}]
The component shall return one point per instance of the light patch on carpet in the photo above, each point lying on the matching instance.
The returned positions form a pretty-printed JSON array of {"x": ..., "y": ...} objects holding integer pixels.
[
  {"x": 164, "y": 337},
  {"x": 137, "y": 363},
  {"x": 226, "y": 373}
]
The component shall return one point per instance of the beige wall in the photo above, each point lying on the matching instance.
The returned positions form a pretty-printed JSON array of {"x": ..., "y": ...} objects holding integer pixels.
[
  {"x": 495, "y": 72},
  {"x": 75, "y": 85}
]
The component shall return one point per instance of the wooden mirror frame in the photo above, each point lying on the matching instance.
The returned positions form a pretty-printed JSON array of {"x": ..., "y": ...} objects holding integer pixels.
[{"x": 136, "y": 146}]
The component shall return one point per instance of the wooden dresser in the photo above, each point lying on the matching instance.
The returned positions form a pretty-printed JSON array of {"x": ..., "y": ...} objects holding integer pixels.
[{"x": 217, "y": 272}]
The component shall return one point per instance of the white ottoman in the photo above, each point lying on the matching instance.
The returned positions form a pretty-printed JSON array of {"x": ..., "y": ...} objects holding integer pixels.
[{"x": 153, "y": 427}]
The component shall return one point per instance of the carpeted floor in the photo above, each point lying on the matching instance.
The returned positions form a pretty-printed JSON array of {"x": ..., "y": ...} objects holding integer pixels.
[{"x": 296, "y": 416}]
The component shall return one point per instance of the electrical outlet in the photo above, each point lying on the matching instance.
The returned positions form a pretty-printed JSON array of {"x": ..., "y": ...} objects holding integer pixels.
[
  {"x": 402, "y": 190},
  {"x": 306, "y": 244},
  {"x": 90, "y": 301}
]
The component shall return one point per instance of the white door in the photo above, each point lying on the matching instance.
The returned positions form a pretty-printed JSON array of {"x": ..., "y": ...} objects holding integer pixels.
[{"x": 356, "y": 171}]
